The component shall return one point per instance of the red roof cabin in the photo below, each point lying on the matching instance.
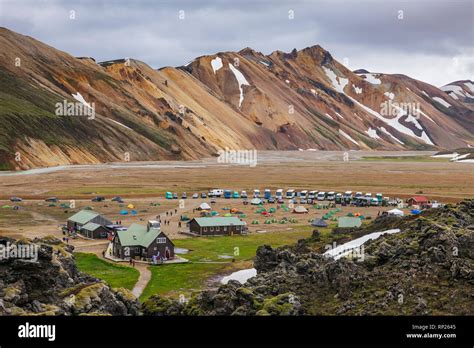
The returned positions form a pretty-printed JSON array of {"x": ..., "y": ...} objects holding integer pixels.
[{"x": 417, "y": 200}]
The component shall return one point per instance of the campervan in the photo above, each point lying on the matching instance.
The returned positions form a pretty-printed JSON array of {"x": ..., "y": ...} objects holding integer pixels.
[
  {"x": 321, "y": 196},
  {"x": 347, "y": 196},
  {"x": 216, "y": 193},
  {"x": 243, "y": 194},
  {"x": 256, "y": 193},
  {"x": 267, "y": 194},
  {"x": 358, "y": 194},
  {"x": 227, "y": 194},
  {"x": 379, "y": 197},
  {"x": 338, "y": 198},
  {"x": 331, "y": 196},
  {"x": 279, "y": 193},
  {"x": 312, "y": 194},
  {"x": 290, "y": 193},
  {"x": 303, "y": 194}
]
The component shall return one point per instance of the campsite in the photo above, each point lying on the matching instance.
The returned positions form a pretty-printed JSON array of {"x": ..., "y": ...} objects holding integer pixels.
[{"x": 134, "y": 196}]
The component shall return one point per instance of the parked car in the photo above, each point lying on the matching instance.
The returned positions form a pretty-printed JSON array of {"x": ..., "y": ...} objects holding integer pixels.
[
  {"x": 271, "y": 200},
  {"x": 195, "y": 195},
  {"x": 116, "y": 199},
  {"x": 96, "y": 199},
  {"x": 280, "y": 201},
  {"x": 16, "y": 199},
  {"x": 184, "y": 195},
  {"x": 175, "y": 195},
  {"x": 51, "y": 199},
  {"x": 243, "y": 194},
  {"x": 303, "y": 201},
  {"x": 203, "y": 195}
]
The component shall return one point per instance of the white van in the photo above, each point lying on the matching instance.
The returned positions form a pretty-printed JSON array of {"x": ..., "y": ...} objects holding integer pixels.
[
  {"x": 279, "y": 193},
  {"x": 256, "y": 193},
  {"x": 216, "y": 193},
  {"x": 321, "y": 196},
  {"x": 290, "y": 193},
  {"x": 304, "y": 194},
  {"x": 331, "y": 196}
]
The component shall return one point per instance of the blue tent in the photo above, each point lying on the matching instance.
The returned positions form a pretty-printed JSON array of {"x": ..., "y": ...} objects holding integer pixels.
[
  {"x": 133, "y": 212},
  {"x": 123, "y": 212},
  {"x": 416, "y": 211}
]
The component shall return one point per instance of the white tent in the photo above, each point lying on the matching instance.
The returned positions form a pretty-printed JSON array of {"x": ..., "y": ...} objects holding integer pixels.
[
  {"x": 396, "y": 212},
  {"x": 256, "y": 201},
  {"x": 204, "y": 206},
  {"x": 300, "y": 210}
]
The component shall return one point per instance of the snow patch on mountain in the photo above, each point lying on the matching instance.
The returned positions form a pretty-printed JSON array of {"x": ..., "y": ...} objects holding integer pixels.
[
  {"x": 347, "y": 136},
  {"x": 469, "y": 85},
  {"x": 442, "y": 101},
  {"x": 395, "y": 122},
  {"x": 78, "y": 96},
  {"x": 337, "y": 82},
  {"x": 241, "y": 80},
  {"x": 372, "y": 133},
  {"x": 371, "y": 78},
  {"x": 216, "y": 64}
]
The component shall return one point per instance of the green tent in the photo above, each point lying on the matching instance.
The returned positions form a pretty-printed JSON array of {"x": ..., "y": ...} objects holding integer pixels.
[
  {"x": 350, "y": 214},
  {"x": 184, "y": 218},
  {"x": 272, "y": 210},
  {"x": 214, "y": 213},
  {"x": 227, "y": 215},
  {"x": 255, "y": 222},
  {"x": 6, "y": 206},
  {"x": 242, "y": 216}
]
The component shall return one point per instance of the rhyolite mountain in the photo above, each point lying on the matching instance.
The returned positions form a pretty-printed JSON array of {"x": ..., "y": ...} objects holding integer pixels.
[{"x": 241, "y": 100}]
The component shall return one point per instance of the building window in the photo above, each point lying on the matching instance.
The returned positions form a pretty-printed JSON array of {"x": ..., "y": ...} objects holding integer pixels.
[
  {"x": 225, "y": 228},
  {"x": 205, "y": 229},
  {"x": 211, "y": 229},
  {"x": 237, "y": 228},
  {"x": 161, "y": 240}
]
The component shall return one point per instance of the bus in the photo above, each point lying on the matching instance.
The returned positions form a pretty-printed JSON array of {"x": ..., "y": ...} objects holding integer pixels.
[
  {"x": 290, "y": 193},
  {"x": 347, "y": 196},
  {"x": 321, "y": 196},
  {"x": 379, "y": 197}
]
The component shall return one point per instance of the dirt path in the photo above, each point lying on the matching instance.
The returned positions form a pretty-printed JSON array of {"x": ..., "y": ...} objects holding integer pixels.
[{"x": 142, "y": 282}]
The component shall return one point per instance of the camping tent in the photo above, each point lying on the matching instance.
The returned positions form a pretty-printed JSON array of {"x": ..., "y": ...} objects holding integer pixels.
[
  {"x": 130, "y": 206},
  {"x": 256, "y": 201},
  {"x": 300, "y": 210},
  {"x": 396, "y": 212},
  {"x": 123, "y": 212},
  {"x": 204, "y": 206},
  {"x": 319, "y": 223},
  {"x": 416, "y": 211}
]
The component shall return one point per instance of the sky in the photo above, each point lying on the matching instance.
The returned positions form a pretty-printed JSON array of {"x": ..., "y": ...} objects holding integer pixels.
[{"x": 430, "y": 40}]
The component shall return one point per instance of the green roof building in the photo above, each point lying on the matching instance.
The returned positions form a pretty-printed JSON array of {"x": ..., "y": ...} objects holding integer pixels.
[
  {"x": 90, "y": 219},
  {"x": 142, "y": 242}
]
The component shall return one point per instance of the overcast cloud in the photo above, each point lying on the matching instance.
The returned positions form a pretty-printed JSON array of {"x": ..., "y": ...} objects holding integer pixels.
[{"x": 433, "y": 41}]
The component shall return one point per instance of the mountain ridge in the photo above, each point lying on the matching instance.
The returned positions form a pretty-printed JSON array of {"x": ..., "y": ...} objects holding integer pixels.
[{"x": 243, "y": 100}]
